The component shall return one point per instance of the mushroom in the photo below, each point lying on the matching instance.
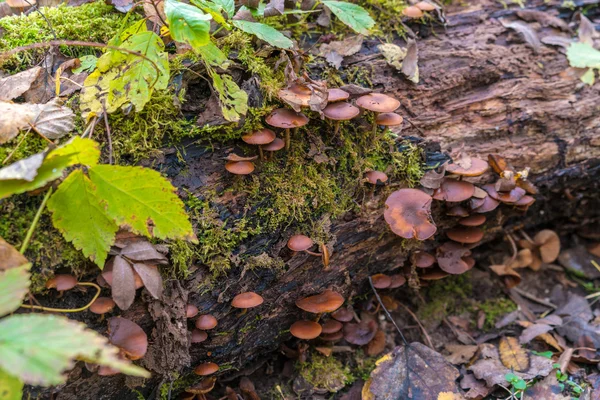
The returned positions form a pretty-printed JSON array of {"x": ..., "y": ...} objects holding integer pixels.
[
  {"x": 361, "y": 333},
  {"x": 473, "y": 220},
  {"x": 475, "y": 167},
  {"x": 377, "y": 345},
  {"x": 434, "y": 275},
  {"x": 545, "y": 248},
  {"x": 377, "y": 103},
  {"x": 450, "y": 258},
  {"x": 247, "y": 300},
  {"x": 397, "y": 281},
  {"x": 299, "y": 95},
  {"x": 484, "y": 205},
  {"x": 206, "y": 322},
  {"x": 340, "y": 112},
  {"x": 454, "y": 191},
  {"x": 200, "y": 389},
  {"x": 389, "y": 119},
  {"x": 425, "y": 6},
  {"x": 207, "y": 368},
  {"x": 240, "y": 167},
  {"x": 274, "y": 146},
  {"x": 343, "y": 315},
  {"x": 199, "y": 336},
  {"x": 248, "y": 389},
  {"x": 299, "y": 243},
  {"x": 469, "y": 234},
  {"x": 422, "y": 259},
  {"x": 509, "y": 197},
  {"x": 21, "y": 5},
  {"x": 259, "y": 138},
  {"x": 458, "y": 211},
  {"x": 191, "y": 311},
  {"x": 335, "y": 94},
  {"x": 376, "y": 178},
  {"x": 412, "y": 12},
  {"x": 61, "y": 282},
  {"x": 408, "y": 214},
  {"x": 305, "y": 330},
  {"x": 102, "y": 305},
  {"x": 128, "y": 336},
  {"x": 332, "y": 337},
  {"x": 381, "y": 281},
  {"x": 326, "y": 302},
  {"x": 524, "y": 203},
  {"x": 286, "y": 119},
  {"x": 332, "y": 326}
]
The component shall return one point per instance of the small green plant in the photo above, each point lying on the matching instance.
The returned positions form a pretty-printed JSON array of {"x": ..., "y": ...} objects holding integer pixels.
[
  {"x": 565, "y": 381},
  {"x": 517, "y": 385}
]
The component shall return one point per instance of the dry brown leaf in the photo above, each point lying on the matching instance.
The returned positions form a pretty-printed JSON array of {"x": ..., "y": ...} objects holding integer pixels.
[
  {"x": 10, "y": 257},
  {"x": 477, "y": 388},
  {"x": 25, "y": 169},
  {"x": 50, "y": 119},
  {"x": 142, "y": 251},
  {"x": 433, "y": 179},
  {"x": 544, "y": 18},
  {"x": 123, "y": 283},
  {"x": 150, "y": 275},
  {"x": 511, "y": 277},
  {"x": 150, "y": 8},
  {"x": 546, "y": 389},
  {"x": 526, "y": 31},
  {"x": 15, "y": 85},
  {"x": 533, "y": 331},
  {"x": 513, "y": 355},
  {"x": 587, "y": 30},
  {"x": 460, "y": 354},
  {"x": 334, "y": 52}
]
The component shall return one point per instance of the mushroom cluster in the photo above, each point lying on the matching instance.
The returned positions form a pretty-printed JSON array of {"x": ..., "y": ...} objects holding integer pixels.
[{"x": 419, "y": 9}]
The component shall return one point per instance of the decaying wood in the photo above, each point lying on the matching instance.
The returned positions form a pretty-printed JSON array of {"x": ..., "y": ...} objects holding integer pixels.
[{"x": 483, "y": 89}]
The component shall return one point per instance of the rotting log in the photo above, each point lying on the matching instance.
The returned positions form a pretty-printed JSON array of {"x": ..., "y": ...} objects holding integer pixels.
[{"x": 482, "y": 89}]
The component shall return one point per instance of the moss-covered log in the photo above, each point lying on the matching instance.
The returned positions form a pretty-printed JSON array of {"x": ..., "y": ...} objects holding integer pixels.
[{"x": 482, "y": 89}]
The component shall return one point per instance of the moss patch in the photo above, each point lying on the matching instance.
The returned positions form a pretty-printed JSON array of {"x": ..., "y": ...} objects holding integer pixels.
[
  {"x": 449, "y": 296},
  {"x": 92, "y": 22},
  {"x": 325, "y": 373},
  {"x": 494, "y": 309}
]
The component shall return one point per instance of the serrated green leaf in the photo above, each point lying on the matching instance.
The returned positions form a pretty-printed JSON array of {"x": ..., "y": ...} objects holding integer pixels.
[
  {"x": 76, "y": 151},
  {"x": 187, "y": 23},
  {"x": 265, "y": 32},
  {"x": 227, "y": 5},
  {"x": 79, "y": 214},
  {"x": 213, "y": 56},
  {"x": 14, "y": 285},
  {"x": 233, "y": 100},
  {"x": 143, "y": 201},
  {"x": 352, "y": 15},
  {"x": 213, "y": 9},
  {"x": 39, "y": 348},
  {"x": 582, "y": 55},
  {"x": 11, "y": 387}
]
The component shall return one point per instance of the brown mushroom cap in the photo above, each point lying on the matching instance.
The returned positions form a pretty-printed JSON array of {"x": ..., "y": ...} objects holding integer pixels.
[
  {"x": 332, "y": 337},
  {"x": 397, "y": 281},
  {"x": 389, "y": 119},
  {"x": 199, "y": 336},
  {"x": 377, "y": 345},
  {"x": 191, "y": 311},
  {"x": 470, "y": 261},
  {"x": 332, "y": 326},
  {"x": 340, "y": 111},
  {"x": 509, "y": 197},
  {"x": 434, "y": 275},
  {"x": 378, "y": 102},
  {"x": 128, "y": 336},
  {"x": 275, "y": 145},
  {"x": 259, "y": 137},
  {"x": 450, "y": 258},
  {"x": 102, "y": 305},
  {"x": 422, "y": 259},
  {"x": 473, "y": 220},
  {"x": 239, "y": 167},
  {"x": 484, "y": 205},
  {"x": 61, "y": 282},
  {"x": 407, "y": 213},
  {"x": 381, "y": 281},
  {"x": 468, "y": 234},
  {"x": 343, "y": 315},
  {"x": 305, "y": 330},
  {"x": 549, "y": 245},
  {"x": 454, "y": 191},
  {"x": 207, "y": 368},
  {"x": 376, "y": 177},
  {"x": 206, "y": 322},
  {"x": 477, "y": 167},
  {"x": 335, "y": 94},
  {"x": 204, "y": 386},
  {"x": 300, "y": 243},
  {"x": 412, "y": 12},
  {"x": 247, "y": 300},
  {"x": 20, "y": 3},
  {"x": 361, "y": 333},
  {"x": 288, "y": 119},
  {"x": 425, "y": 6},
  {"x": 525, "y": 201},
  {"x": 458, "y": 211},
  {"x": 235, "y": 157},
  {"x": 328, "y": 301},
  {"x": 296, "y": 94}
]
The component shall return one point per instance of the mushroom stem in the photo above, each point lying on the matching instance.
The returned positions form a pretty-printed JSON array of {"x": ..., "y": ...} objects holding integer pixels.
[
  {"x": 374, "y": 132},
  {"x": 260, "y": 152},
  {"x": 287, "y": 139},
  {"x": 312, "y": 253},
  {"x": 336, "y": 128},
  {"x": 325, "y": 256},
  {"x": 69, "y": 310}
]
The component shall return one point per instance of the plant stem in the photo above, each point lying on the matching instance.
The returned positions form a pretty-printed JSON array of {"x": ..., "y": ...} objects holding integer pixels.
[
  {"x": 35, "y": 221},
  {"x": 69, "y": 310},
  {"x": 287, "y": 139}
]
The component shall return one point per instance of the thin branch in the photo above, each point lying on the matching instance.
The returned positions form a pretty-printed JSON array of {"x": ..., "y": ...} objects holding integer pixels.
[
  {"x": 412, "y": 314},
  {"x": 108, "y": 137},
  {"x": 387, "y": 313},
  {"x": 35, "y": 221}
]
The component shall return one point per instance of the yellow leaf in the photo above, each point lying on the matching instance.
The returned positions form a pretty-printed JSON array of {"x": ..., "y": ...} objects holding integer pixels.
[
  {"x": 450, "y": 396},
  {"x": 512, "y": 355}
]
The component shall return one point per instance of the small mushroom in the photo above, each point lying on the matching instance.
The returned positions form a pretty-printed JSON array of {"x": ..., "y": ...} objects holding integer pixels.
[
  {"x": 332, "y": 337},
  {"x": 450, "y": 258},
  {"x": 191, "y": 311},
  {"x": 376, "y": 178},
  {"x": 236, "y": 158},
  {"x": 207, "y": 368},
  {"x": 397, "y": 281},
  {"x": 412, "y": 12},
  {"x": 473, "y": 220},
  {"x": 475, "y": 167},
  {"x": 408, "y": 214},
  {"x": 128, "y": 336},
  {"x": 545, "y": 248},
  {"x": 377, "y": 103},
  {"x": 260, "y": 138},
  {"x": 458, "y": 211},
  {"x": 454, "y": 191},
  {"x": 299, "y": 243},
  {"x": 343, "y": 315},
  {"x": 203, "y": 387},
  {"x": 326, "y": 302},
  {"x": 335, "y": 94},
  {"x": 434, "y": 275},
  {"x": 102, "y": 305},
  {"x": 286, "y": 119},
  {"x": 524, "y": 203},
  {"x": 21, "y": 5},
  {"x": 340, "y": 112},
  {"x": 468, "y": 235},
  {"x": 381, "y": 281},
  {"x": 422, "y": 259},
  {"x": 247, "y": 300},
  {"x": 389, "y": 119},
  {"x": 484, "y": 205},
  {"x": 332, "y": 326},
  {"x": 206, "y": 322},
  {"x": 305, "y": 330},
  {"x": 239, "y": 167},
  {"x": 199, "y": 336},
  {"x": 377, "y": 345},
  {"x": 274, "y": 146},
  {"x": 425, "y": 6},
  {"x": 361, "y": 333},
  {"x": 61, "y": 282}
]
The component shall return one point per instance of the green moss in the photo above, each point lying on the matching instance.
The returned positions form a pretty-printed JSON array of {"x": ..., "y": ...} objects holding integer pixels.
[
  {"x": 364, "y": 365},
  {"x": 22, "y": 147},
  {"x": 495, "y": 308},
  {"x": 325, "y": 373},
  {"x": 92, "y": 22},
  {"x": 263, "y": 260},
  {"x": 445, "y": 297},
  {"x": 178, "y": 385}
]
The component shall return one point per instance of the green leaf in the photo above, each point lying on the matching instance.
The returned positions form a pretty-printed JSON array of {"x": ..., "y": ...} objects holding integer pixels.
[
  {"x": 510, "y": 377},
  {"x": 265, "y": 32},
  {"x": 582, "y": 55},
  {"x": 352, "y": 15},
  {"x": 76, "y": 151},
  {"x": 88, "y": 63},
  {"x": 546, "y": 354},
  {"x": 11, "y": 388},
  {"x": 79, "y": 214},
  {"x": 143, "y": 201},
  {"x": 233, "y": 100},
  {"x": 38, "y": 348},
  {"x": 14, "y": 285},
  {"x": 213, "y": 56},
  {"x": 589, "y": 77},
  {"x": 227, "y": 5},
  {"x": 520, "y": 384},
  {"x": 187, "y": 23},
  {"x": 214, "y": 9}
]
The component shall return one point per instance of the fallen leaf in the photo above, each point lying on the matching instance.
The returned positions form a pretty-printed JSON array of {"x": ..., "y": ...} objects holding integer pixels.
[
  {"x": 555, "y": 40},
  {"x": 526, "y": 31},
  {"x": 544, "y": 18},
  {"x": 477, "y": 389},
  {"x": 142, "y": 251},
  {"x": 15, "y": 85},
  {"x": 150, "y": 275},
  {"x": 511, "y": 277},
  {"x": 123, "y": 283},
  {"x": 10, "y": 257},
  {"x": 403, "y": 59},
  {"x": 50, "y": 119},
  {"x": 274, "y": 8},
  {"x": 334, "y": 52},
  {"x": 25, "y": 169},
  {"x": 433, "y": 179},
  {"x": 587, "y": 30},
  {"x": 533, "y": 331},
  {"x": 546, "y": 389},
  {"x": 579, "y": 260},
  {"x": 122, "y": 5},
  {"x": 411, "y": 372},
  {"x": 460, "y": 354},
  {"x": 513, "y": 355},
  {"x": 490, "y": 368},
  {"x": 355, "y": 90}
]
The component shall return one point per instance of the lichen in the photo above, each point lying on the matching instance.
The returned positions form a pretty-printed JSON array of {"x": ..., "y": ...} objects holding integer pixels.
[
  {"x": 326, "y": 373},
  {"x": 92, "y": 22}
]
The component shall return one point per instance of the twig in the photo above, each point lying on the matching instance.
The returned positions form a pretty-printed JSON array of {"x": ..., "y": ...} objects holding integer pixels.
[
  {"x": 35, "y": 221},
  {"x": 412, "y": 314},
  {"x": 387, "y": 313},
  {"x": 513, "y": 246},
  {"x": 8, "y": 157},
  {"x": 70, "y": 310},
  {"x": 534, "y": 298},
  {"x": 90, "y": 128},
  {"x": 414, "y": 126},
  {"x": 110, "y": 148}
]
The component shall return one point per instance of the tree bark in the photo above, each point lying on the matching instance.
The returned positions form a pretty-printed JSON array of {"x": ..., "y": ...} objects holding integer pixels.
[{"x": 482, "y": 89}]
